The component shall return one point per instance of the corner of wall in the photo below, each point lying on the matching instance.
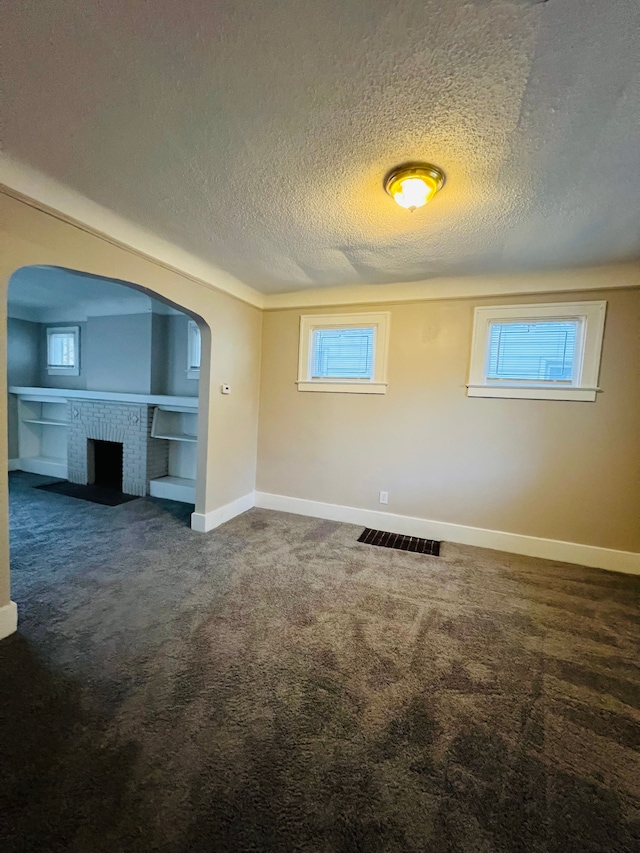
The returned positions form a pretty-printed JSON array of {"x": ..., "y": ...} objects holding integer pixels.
[
  {"x": 8, "y": 619},
  {"x": 203, "y": 522}
]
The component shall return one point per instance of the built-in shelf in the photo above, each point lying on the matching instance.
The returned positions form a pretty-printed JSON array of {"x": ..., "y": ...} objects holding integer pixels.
[
  {"x": 44, "y": 422},
  {"x": 174, "y": 424},
  {"x": 179, "y": 426},
  {"x": 172, "y": 488},
  {"x": 42, "y": 439},
  {"x": 174, "y": 436}
]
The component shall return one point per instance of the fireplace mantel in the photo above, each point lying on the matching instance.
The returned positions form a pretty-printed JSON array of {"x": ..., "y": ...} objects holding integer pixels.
[{"x": 113, "y": 396}]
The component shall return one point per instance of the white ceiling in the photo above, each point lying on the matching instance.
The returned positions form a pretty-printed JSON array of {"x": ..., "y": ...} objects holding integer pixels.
[
  {"x": 54, "y": 295},
  {"x": 256, "y": 135}
]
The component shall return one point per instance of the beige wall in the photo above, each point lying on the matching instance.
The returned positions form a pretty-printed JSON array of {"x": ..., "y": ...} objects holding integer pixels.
[
  {"x": 231, "y": 353},
  {"x": 567, "y": 471},
  {"x": 558, "y": 470}
]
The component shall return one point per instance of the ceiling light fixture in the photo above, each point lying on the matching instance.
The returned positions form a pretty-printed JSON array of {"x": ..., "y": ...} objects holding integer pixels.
[{"x": 413, "y": 185}]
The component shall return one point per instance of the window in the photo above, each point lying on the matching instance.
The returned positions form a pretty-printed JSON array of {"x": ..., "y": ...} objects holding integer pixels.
[
  {"x": 533, "y": 351},
  {"x": 63, "y": 351},
  {"x": 194, "y": 348},
  {"x": 538, "y": 352},
  {"x": 344, "y": 352}
]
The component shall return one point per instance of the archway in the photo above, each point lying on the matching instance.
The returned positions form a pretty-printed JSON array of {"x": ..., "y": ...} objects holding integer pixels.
[
  {"x": 123, "y": 343},
  {"x": 230, "y": 331}
]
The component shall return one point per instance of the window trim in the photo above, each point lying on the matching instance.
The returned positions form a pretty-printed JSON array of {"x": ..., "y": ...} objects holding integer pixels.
[
  {"x": 58, "y": 370},
  {"x": 583, "y": 387},
  {"x": 379, "y": 320},
  {"x": 193, "y": 372}
]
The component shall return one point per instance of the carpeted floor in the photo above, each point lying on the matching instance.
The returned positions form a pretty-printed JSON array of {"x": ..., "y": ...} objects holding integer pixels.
[{"x": 277, "y": 686}]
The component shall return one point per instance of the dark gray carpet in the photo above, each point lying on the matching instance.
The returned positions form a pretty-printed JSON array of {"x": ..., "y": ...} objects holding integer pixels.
[{"x": 277, "y": 686}]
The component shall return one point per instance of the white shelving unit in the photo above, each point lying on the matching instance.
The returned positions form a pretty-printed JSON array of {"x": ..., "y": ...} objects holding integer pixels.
[
  {"x": 175, "y": 424},
  {"x": 42, "y": 434},
  {"x": 179, "y": 426}
]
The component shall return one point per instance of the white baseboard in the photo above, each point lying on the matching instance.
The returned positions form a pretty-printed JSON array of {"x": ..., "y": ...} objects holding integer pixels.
[
  {"x": 13, "y": 465},
  {"x": 44, "y": 466},
  {"x": 8, "y": 619},
  {"x": 528, "y": 546},
  {"x": 204, "y": 522},
  {"x": 174, "y": 489}
]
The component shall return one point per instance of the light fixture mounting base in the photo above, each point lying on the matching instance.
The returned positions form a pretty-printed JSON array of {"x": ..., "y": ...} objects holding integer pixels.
[{"x": 414, "y": 170}]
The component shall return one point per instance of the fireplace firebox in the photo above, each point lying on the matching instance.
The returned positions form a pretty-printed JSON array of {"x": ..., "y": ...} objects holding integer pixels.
[{"x": 104, "y": 463}]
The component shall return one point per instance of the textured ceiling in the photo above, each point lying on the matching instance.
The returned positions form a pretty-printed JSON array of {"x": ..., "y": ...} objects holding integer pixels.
[
  {"x": 256, "y": 134},
  {"x": 54, "y": 295}
]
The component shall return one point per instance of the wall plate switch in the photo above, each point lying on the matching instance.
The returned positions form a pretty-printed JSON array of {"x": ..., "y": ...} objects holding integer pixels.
[
  {"x": 384, "y": 497},
  {"x": 225, "y": 389}
]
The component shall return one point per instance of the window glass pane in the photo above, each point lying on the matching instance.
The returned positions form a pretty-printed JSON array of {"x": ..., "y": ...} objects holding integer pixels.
[
  {"x": 62, "y": 349},
  {"x": 195, "y": 346},
  {"x": 535, "y": 351},
  {"x": 342, "y": 354}
]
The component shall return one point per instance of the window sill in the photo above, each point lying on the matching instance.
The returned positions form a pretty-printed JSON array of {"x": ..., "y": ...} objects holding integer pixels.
[
  {"x": 193, "y": 374},
  {"x": 63, "y": 371},
  {"x": 343, "y": 387},
  {"x": 533, "y": 392}
]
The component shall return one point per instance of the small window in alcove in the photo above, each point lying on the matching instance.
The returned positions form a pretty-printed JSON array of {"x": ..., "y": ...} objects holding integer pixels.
[
  {"x": 63, "y": 351},
  {"x": 194, "y": 347}
]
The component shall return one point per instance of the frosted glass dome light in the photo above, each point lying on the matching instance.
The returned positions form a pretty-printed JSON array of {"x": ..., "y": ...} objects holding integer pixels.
[{"x": 414, "y": 185}]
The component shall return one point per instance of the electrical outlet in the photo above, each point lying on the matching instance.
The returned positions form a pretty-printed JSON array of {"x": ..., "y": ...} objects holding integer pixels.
[
  {"x": 384, "y": 497},
  {"x": 224, "y": 389}
]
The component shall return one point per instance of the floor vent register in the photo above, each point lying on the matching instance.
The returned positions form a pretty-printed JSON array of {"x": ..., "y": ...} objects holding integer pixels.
[{"x": 400, "y": 542}]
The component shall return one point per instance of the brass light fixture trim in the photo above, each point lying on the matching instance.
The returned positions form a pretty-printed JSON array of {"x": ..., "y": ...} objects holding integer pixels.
[{"x": 412, "y": 185}]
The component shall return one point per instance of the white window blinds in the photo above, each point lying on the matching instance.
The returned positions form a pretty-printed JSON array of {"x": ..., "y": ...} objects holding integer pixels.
[
  {"x": 61, "y": 349},
  {"x": 342, "y": 353},
  {"x": 538, "y": 351}
]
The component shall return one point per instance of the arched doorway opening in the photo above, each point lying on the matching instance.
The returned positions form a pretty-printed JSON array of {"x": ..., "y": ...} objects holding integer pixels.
[
  {"x": 230, "y": 327},
  {"x": 100, "y": 365}
]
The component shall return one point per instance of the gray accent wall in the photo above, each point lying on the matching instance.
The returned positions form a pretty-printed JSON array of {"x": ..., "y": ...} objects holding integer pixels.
[
  {"x": 176, "y": 361},
  {"x": 23, "y": 355},
  {"x": 159, "y": 353},
  {"x": 117, "y": 353},
  {"x": 23, "y": 352}
]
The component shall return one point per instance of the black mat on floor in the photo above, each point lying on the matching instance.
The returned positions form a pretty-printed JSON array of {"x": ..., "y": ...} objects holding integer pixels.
[
  {"x": 399, "y": 542},
  {"x": 95, "y": 494}
]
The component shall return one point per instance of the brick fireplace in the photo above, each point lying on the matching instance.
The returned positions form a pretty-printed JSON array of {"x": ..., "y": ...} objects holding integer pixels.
[{"x": 143, "y": 458}]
